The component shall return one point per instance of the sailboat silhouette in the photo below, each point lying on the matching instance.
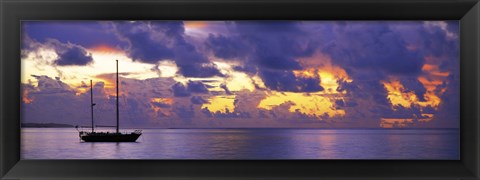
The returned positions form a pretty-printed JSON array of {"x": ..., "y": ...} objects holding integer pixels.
[{"x": 107, "y": 136}]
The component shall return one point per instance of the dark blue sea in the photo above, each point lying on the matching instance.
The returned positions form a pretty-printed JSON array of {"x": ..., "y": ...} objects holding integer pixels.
[{"x": 64, "y": 143}]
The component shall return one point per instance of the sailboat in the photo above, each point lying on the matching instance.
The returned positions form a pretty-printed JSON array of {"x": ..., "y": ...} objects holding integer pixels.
[{"x": 108, "y": 136}]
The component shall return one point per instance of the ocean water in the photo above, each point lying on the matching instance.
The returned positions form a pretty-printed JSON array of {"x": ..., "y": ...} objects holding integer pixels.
[{"x": 64, "y": 143}]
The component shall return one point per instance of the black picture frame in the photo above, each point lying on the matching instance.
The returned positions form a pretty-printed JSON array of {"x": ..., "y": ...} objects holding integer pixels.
[{"x": 14, "y": 11}]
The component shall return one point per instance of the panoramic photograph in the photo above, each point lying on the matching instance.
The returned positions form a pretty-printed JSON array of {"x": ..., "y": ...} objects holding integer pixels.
[{"x": 242, "y": 90}]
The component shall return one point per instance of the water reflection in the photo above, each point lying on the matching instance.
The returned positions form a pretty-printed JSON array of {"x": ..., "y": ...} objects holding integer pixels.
[{"x": 46, "y": 143}]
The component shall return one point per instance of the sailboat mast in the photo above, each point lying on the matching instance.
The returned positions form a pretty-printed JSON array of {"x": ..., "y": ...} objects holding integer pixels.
[
  {"x": 117, "y": 96},
  {"x": 91, "y": 102}
]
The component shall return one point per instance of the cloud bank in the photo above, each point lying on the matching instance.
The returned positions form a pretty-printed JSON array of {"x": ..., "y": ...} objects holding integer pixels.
[{"x": 315, "y": 74}]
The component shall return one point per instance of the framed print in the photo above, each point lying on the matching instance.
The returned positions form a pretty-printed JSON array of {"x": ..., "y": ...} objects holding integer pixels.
[
  {"x": 240, "y": 90},
  {"x": 227, "y": 89}
]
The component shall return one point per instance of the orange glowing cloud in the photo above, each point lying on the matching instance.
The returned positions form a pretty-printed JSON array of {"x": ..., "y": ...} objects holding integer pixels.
[
  {"x": 396, "y": 122},
  {"x": 166, "y": 101},
  {"x": 314, "y": 104},
  {"x": 431, "y": 79},
  {"x": 25, "y": 97},
  {"x": 105, "y": 49},
  {"x": 81, "y": 90},
  {"x": 307, "y": 73},
  {"x": 331, "y": 76},
  {"x": 328, "y": 75},
  {"x": 428, "y": 67},
  {"x": 429, "y": 84},
  {"x": 110, "y": 84},
  {"x": 405, "y": 122},
  {"x": 195, "y": 24},
  {"x": 399, "y": 96},
  {"x": 322, "y": 68},
  {"x": 434, "y": 70},
  {"x": 220, "y": 104}
]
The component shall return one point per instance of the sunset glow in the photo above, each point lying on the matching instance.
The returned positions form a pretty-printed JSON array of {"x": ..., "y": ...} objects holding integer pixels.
[
  {"x": 313, "y": 104},
  {"x": 220, "y": 104},
  {"x": 378, "y": 74}
]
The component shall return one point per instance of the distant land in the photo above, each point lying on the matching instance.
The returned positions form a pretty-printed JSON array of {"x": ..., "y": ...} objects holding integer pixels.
[{"x": 45, "y": 125}]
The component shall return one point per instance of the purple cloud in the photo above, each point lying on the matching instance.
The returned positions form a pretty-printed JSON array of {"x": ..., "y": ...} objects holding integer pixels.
[
  {"x": 197, "y": 87},
  {"x": 154, "y": 41},
  {"x": 287, "y": 81},
  {"x": 180, "y": 90},
  {"x": 198, "y": 100},
  {"x": 68, "y": 54},
  {"x": 84, "y": 33},
  {"x": 73, "y": 56},
  {"x": 369, "y": 52},
  {"x": 372, "y": 46}
]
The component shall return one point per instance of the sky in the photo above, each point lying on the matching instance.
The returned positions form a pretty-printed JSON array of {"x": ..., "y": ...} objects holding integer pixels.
[{"x": 243, "y": 74}]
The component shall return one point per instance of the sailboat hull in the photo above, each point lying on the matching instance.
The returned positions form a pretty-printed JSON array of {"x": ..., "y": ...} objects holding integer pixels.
[{"x": 109, "y": 137}]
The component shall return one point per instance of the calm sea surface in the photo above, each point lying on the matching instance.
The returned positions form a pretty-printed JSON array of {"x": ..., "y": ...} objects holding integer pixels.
[{"x": 64, "y": 143}]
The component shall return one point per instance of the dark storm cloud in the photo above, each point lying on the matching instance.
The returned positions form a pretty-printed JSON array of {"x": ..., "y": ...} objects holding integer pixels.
[
  {"x": 144, "y": 46},
  {"x": 437, "y": 42},
  {"x": 84, "y": 33},
  {"x": 372, "y": 46},
  {"x": 448, "y": 112},
  {"x": 346, "y": 86},
  {"x": 376, "y": 90},
  {"x": 270, "y": 48},
  {"x": 154, "y": 41},
  {"x": 435, "y": 38},
  {"x": 73, "y": 55},
  {"x": 68, "y": 54},
  {"x": 200, "y": 70},
  {"x": 145, "y": 50},
  {"x": 365, "y": 101},
  {"x": 276, "y": 44},
  {"x": 340, "y": 103},
  {"x": 247, "y": 68},
  {"x": 227, "y": 48},
  {"x": 180, "y": 90},
  {"x": 287, "y": 81},
  {"x": 198, "y": 100},
  {"x": 440, "y": 43},
  {"x": 412, "y": 84},
  {"x": 277, "y": 62},
  {"x": 197, "y": 87}
]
